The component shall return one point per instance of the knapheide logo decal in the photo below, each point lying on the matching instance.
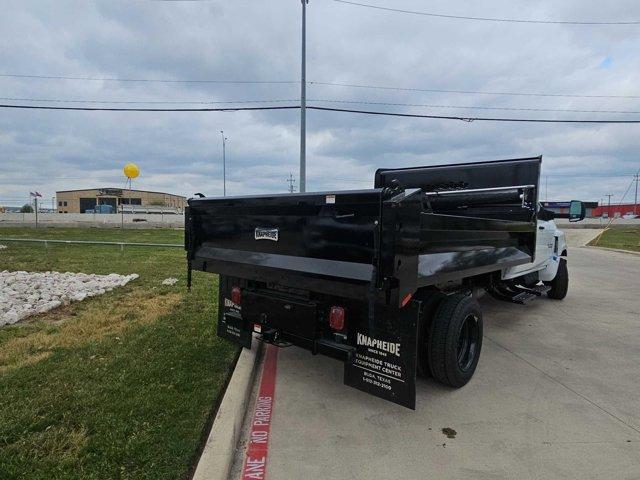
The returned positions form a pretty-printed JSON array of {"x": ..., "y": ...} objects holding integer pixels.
[
  {"x": 266, "y": 234},
  {"x": 229, "y": 304},
  {"x": 389, "y": 347}
]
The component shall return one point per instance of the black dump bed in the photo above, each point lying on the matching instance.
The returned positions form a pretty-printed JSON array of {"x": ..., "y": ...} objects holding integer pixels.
[{"x": 417, "y": 227}]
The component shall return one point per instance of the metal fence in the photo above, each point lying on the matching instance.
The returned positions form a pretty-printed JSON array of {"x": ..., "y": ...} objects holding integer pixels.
[
  {"x": 46, "y": 243},
  {"x": 94, "y": 219}
]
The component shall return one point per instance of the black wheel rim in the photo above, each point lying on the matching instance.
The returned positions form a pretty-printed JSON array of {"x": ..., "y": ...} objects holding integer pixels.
[{"x": 468, "y": 342}]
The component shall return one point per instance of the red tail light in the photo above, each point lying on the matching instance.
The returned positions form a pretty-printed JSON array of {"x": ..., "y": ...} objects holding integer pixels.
[
  {"x": 336, "y": 318},
  {"x": 236, "y": 295}
]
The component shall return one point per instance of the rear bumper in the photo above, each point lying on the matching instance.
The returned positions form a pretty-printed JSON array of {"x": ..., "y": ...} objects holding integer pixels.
[{"x": 378, "y": 345}]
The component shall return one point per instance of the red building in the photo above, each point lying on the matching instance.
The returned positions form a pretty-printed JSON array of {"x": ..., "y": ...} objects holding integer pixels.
[{"x": 615, "y": 210}]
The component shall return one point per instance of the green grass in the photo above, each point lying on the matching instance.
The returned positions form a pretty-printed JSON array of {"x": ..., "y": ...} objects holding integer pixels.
[
  {"x": 117, "y": 386},
  {"x": 624, "y": 238},
  {"x": 158, "y": 235}
]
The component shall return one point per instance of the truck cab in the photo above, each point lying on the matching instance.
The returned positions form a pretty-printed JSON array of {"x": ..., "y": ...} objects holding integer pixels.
[{"x": 551, "y": 245}]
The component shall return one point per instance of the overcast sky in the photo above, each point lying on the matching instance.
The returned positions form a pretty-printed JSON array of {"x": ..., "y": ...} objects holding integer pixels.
[{"x": 260, "y": 41}]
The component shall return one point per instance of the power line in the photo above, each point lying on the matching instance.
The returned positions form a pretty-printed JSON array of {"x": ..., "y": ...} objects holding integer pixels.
[
  {"x": 108, "y": 109},
  {"x": 327, "y": 109},
  {"x": 324, "y": 100},
  {"x": 318, "y": 83},
  {"x": 471, "y": 119},
  {"x": 147, "y": 80},
  {"x": 193, "y": 102},
  {"x": 487, "y": 19},
  {"x": 472, "y": 92},
  {"x": 362, "y": 102},
  {"x": 628, "y": 188},
  {"x": 115, "y": 178}
]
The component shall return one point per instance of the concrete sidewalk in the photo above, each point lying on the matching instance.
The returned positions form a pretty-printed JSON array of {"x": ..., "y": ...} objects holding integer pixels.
[
  {"x": 556, "y": 395},
  {"x": 579, "y": 237}
]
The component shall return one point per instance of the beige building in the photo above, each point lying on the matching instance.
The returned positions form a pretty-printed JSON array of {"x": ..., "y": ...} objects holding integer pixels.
[{"x": 79, "y": 201}]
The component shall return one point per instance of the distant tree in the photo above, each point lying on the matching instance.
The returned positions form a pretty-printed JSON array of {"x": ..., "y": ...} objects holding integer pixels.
[{"x": 26, "y": 209}]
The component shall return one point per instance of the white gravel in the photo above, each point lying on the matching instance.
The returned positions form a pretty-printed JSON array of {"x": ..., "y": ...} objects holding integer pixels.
[{"x": 25, "y": 293}]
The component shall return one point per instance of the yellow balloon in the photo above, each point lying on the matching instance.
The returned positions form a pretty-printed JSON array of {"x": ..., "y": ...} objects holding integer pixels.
[{"x": 131, "y": 170}]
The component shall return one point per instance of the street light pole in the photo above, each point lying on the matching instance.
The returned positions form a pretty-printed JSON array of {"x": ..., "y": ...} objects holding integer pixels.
[
  {"x": 303, "y": 102},
  {"x": 224, "y": 164}
]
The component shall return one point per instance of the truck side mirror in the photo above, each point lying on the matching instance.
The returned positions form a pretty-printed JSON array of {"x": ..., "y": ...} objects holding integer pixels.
[{"x": 577, "y": 211}]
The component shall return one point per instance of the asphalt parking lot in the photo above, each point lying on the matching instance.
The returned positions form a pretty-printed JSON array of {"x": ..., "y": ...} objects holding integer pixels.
[{"x": 556, "y": 395}]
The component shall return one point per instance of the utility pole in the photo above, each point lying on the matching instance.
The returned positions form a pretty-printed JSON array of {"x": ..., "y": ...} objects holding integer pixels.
[
  {"x": 291, "y": 182},
  {"x": 546, "y": 188},
  {"x": 609, "y": 205},
  {"x": 224, "y": 164},
  {"x": 635, "y": 203},
  {"x": 303, "y": 102}
]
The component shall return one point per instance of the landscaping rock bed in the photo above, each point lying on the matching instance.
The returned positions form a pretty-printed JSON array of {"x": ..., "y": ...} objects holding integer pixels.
[{"x": 23, "y": 294}]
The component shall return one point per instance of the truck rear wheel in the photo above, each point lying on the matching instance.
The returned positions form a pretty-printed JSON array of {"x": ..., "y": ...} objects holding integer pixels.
[
  {"x": 560, "y": 284},
  {"x": 430, "y": 303},
  {"x": 456, "y": 340}
]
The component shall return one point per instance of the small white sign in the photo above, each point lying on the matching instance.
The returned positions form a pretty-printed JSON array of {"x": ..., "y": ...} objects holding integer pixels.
[{"x": 330, "y": 199}]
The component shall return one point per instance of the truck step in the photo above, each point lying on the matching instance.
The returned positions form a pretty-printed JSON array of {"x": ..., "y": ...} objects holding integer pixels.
[
  {"x": 523, "y": 297},
  {"x": 540, "y": 289},
  {"x": 519, "y": 295}
]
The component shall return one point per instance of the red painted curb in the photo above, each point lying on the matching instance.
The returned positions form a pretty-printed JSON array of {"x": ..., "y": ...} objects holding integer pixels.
[{"x": 255, "y": 465}]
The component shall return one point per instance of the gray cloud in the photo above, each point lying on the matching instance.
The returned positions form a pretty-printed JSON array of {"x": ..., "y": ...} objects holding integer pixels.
[{"x": 248, "y": 40}]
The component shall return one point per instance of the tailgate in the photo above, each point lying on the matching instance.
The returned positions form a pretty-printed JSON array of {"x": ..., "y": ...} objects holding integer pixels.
[{"x": 287, "y": 238}]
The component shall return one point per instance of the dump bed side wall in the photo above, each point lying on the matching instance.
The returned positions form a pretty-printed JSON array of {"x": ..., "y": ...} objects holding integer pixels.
[
  {"x": 476, "y": 175},
  {"x": 485, "y": 227}
]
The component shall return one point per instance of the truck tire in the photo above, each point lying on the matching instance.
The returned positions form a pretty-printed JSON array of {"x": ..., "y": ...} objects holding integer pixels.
[
  {"x": 456, "y": 340},
  {"x": 560, "y": 284},
  {"x": 430, "y": 303}
]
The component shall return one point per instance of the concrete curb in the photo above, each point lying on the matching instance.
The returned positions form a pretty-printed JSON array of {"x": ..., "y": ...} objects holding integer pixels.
[
  {"x": 619, "y": 250},
  {"x": 219, "y": 452}
]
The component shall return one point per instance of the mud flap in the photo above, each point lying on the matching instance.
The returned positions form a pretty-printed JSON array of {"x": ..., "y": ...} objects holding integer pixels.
[
  {"x": 231, "y": 325},
  {"x": 384, "y": 364}
]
